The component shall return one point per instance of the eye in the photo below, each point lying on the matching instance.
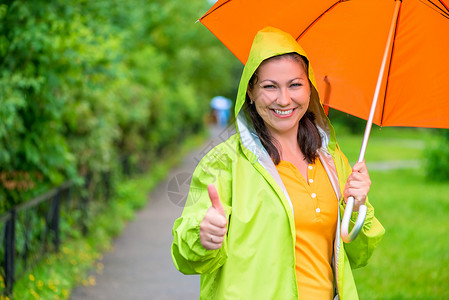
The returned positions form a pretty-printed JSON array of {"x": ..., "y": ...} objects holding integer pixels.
[
  {"x": 268, "y": 86},
  {"x": 296, "y": 85}
]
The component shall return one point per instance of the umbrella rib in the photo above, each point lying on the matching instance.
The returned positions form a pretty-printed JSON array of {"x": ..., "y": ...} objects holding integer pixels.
[
  {"x": 207, "y": 14},
  {"x": 436, "y": 8},
  {"x": 442, "y": 3},
  {"x": 319, "y": 17},
  {"x": 389, "y": 65}
]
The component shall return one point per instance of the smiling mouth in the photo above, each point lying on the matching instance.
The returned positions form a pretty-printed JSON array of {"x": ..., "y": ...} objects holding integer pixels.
[{"x": 283, "y": 112}]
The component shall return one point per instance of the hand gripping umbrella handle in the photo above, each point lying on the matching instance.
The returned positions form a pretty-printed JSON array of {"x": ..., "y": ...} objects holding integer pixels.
[{"x": 349, "y": 237}]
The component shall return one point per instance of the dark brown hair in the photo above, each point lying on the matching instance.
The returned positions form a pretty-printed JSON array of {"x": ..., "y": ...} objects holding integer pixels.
[{"x": 309, "y": 140}]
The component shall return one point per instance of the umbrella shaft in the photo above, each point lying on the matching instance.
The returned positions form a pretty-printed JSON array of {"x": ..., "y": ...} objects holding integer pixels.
[{"x": 387, "y": 51}]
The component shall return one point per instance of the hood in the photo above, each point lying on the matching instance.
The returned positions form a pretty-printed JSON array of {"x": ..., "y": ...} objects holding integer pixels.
[{"x": 267, "y": 43}]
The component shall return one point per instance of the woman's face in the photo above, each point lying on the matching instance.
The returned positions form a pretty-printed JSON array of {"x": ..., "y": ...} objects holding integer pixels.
[{"x": 281, "y": 94}]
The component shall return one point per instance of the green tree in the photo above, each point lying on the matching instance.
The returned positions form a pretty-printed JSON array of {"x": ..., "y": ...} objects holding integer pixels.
[
  {"x": 84, "y": 84},
  {"x": 437, "y": 157}
]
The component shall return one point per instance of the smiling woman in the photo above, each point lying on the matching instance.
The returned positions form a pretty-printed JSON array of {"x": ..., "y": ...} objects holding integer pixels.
[{"x": 266, "y": 225}]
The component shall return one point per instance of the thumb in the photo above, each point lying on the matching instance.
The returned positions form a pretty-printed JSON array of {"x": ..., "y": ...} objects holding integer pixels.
[{"x": 215, "y": 199}]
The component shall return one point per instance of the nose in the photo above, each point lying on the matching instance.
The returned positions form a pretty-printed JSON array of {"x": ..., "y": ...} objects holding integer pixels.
[{"x": 284, "y": 98}]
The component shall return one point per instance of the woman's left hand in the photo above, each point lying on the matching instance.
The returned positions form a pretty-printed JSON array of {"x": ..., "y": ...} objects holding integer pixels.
[{"x": 358, "y": 185}]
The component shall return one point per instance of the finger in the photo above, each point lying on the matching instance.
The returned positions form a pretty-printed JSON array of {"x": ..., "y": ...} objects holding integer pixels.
[
  {"x": 358, "y": 184},
  {"x": 359, "y": 199},
  {"x": 211, "y": 242},
  {"x": 216, "y": 239},
  {"x": 360, "y": 167},
  {"x": 356, "y": 177},
  {"x": 210, "y": 245},
  {"x": 217, "y": 231},
  {"x": 214, "y": 198},
  {"x": 356, "y": 193},
  {"x": 354, "y": 188},
  {"x": 217, "y": 219},
  {"x": 213, "y": 221}
]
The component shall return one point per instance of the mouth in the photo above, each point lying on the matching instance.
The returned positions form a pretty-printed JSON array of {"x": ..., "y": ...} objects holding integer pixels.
[{"x": 283, "y": 113}]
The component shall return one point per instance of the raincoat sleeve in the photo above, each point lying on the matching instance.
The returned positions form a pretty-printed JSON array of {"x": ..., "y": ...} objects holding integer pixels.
[
  {"x": 189, "y": 256},
  {"x": 360, "y": 250}
]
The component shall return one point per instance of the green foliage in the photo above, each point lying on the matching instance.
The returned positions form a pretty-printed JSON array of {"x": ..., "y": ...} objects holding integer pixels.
[
  {"x": 346, "y": 122},
  {"x": 437, "y": 159},
  {"x": 85, "y": 85}
]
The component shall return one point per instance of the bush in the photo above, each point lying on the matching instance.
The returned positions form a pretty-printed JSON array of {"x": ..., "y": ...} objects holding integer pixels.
[
  {"x": 97, "y": 86},
  {"x": 347, "y": 123},
  {"x": 437, "y": 157}
]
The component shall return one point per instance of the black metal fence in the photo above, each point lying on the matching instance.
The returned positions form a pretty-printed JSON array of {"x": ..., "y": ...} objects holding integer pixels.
[{"x": 32, "y": 229}]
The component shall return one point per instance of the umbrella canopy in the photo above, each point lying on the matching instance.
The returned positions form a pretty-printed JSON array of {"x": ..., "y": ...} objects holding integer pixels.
[
  {"x": 382, "y": 60},
  {"x": 346, "y": 40}
]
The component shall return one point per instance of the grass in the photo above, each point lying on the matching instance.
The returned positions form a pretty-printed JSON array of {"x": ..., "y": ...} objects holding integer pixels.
[
  {"x": 55, "y": 275},
  {"x": 413, "y": 258},
  {"x": 412, "y": 261}
]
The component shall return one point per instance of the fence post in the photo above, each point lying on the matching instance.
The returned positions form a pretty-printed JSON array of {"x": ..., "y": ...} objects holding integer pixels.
[
  {"x": 85, "y": 203},
  {"x": 107, "y": 185},
  {"x": 126, "y": 165},
  {"x": 54, "y": 224},
  {"x": 10, "y": 248}
]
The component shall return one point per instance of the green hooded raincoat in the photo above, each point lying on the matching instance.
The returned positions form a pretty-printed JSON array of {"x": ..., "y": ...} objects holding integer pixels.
[{"x": 257, "y": 259}]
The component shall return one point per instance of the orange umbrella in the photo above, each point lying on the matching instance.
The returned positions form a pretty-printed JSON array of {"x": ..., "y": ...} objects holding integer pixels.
[
  {"x": 345, "y": 41},
  {"x": 385, "y": 61}
]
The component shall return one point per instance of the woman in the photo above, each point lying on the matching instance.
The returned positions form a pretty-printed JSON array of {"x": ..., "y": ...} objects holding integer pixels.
[{"x": 268, "y": 227}]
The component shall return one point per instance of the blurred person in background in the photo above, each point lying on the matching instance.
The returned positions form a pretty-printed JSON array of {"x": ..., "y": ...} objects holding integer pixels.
[{"x": 222, "y": 109}]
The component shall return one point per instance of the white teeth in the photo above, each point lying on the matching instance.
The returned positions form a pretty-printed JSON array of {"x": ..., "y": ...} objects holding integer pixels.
[{"x": 283, "y": 112}]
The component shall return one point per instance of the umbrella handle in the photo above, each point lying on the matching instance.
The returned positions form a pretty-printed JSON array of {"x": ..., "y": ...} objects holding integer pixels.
[{"x": 349, "y": 237}]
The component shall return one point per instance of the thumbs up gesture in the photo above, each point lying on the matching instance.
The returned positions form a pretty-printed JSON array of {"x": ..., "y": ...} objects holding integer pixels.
[{"x": 213, "y": 227}]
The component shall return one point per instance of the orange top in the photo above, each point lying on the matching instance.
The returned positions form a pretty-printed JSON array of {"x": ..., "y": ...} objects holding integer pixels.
[{"x": 316, "y": 212}]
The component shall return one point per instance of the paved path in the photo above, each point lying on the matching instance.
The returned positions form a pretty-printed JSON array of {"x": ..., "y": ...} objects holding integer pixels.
[
  {"x": 394, "y": 165},
  {"x": 140, "y": 264}
]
